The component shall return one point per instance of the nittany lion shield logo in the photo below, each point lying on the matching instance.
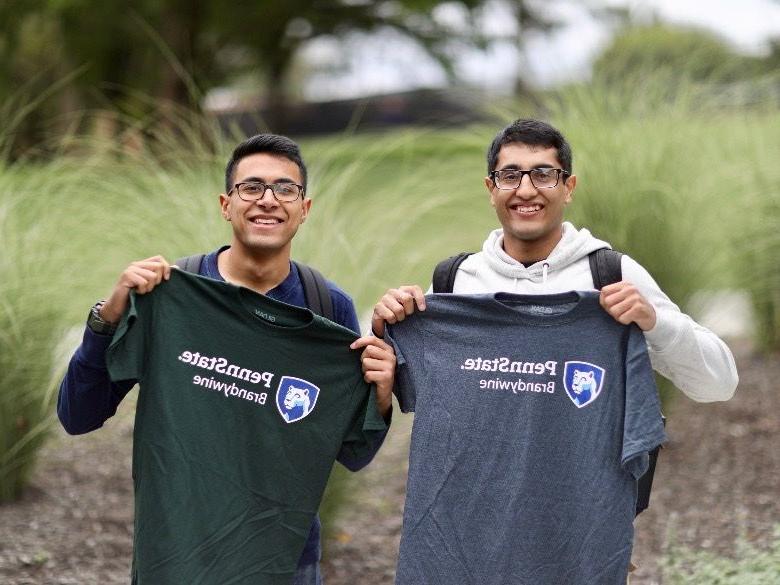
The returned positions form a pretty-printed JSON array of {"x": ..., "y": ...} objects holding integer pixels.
[
  {"x": 583, "y": 382},
  {"x": 295, "y": 398}
]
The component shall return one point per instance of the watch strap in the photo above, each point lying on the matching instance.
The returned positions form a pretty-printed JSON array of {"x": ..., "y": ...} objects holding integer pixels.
[{"x": 97, "y": 324}]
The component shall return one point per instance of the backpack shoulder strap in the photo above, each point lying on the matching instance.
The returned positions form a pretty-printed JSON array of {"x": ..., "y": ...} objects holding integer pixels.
[
  {"x": 316, "y": 291},
  {"x": 605, "y": 267},
  {"x": 445, "y": 271},
  {"x": 191, "y": 263}
]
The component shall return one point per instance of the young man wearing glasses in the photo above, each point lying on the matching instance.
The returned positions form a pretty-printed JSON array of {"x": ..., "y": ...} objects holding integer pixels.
[
  {"x": 265, "y": 202},
  {"x": 530, "y": 183},
  {"x": 492, "y": 434}
]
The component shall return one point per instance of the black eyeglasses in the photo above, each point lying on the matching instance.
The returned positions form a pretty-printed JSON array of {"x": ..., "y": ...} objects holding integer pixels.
[
  {"x": 254, "y": 190},
  {"x": 542, "y": 178}
]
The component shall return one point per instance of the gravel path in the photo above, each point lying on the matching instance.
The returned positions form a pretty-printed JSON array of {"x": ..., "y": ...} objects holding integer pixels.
[{"x": 717, "y": 480}]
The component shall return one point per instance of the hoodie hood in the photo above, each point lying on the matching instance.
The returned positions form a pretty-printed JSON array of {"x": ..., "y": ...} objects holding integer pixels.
[{"x": 573, "y": 246}]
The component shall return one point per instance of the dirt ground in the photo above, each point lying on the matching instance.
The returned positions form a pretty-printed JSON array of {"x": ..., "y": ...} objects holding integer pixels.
[{"x": 717, "y": 481}]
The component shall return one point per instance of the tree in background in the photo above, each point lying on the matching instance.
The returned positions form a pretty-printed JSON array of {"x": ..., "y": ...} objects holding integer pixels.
[
  {"x": 676, "y": 52},
  {"x": 124, "y": 57},
  {"x": 133, "y": 57}
]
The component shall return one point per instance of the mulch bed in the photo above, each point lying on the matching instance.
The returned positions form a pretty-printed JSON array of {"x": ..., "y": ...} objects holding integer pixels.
[{"x": 717, "y": 481}]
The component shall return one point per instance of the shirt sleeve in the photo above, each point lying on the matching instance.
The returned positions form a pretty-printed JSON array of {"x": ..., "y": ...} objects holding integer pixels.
[
  {"x": 403, "y": 388},
  {"x": 126, "y": 355},
  {"x": 643, "y": 427},
  {"x": 366, "y": 433}
]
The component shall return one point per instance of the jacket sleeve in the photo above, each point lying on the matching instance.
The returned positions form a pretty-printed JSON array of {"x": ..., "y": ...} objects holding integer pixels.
[
  {"x": 692, "y": 357},
  {"x": 87, "y": 396},
  {"x": 355, "y": 460}
]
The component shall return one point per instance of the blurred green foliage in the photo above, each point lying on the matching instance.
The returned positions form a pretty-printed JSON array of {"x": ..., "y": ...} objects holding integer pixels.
[
  {"x": 31, "y": 326},
  {"x": 689, "y": 54},
  {"x": 686, "y": 187},
  {"x": 142, "y": 59}
]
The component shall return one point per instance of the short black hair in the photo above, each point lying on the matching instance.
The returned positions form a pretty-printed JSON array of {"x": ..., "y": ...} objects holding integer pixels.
[
  {"x": 269, "y": 144},
  {"x": 531, "y": 133}
]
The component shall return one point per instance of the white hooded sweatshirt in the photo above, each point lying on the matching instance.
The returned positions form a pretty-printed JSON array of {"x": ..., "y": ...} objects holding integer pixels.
[{"x": 691, "y": 356}]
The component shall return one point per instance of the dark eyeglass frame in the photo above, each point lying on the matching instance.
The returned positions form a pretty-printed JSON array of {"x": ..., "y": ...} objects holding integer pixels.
[
  {"x": 265, "y": 186},
  {"x": 494, "y": 177}
]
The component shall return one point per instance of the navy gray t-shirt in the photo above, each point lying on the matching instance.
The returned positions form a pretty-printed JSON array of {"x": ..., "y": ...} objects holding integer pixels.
[{"x": 534, "y": 416}]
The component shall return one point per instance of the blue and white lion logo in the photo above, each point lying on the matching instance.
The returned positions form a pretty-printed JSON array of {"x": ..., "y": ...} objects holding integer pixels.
[
  {"x": 295, "y": 398},
  {"x": 583, "y": 382}
]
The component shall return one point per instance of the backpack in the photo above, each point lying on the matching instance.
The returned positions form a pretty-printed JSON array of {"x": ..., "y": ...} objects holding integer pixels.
[
  {"x": 605, "y": 268},
  {"x": 315, "y": 287}
]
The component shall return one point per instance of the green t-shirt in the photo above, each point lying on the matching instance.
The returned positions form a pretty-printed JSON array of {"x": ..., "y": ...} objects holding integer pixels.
[{"x": 244, "y": 404}]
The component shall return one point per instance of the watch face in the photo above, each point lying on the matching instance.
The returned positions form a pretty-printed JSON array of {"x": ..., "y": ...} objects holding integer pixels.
[{"x": 97, "y": 324}]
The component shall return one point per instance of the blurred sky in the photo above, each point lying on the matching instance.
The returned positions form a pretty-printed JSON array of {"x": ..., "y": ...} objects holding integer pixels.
[{"x": 370, "y": 64}]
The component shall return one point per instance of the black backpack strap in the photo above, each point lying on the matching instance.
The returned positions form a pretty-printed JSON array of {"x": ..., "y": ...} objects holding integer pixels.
[
  {"x": 191, "y": 263},
  {"x": 316, "y": 291},
  {"x": 645, "y": 483},
  {"x": 445, "y": 271},
  {"x": 605, "y": 267}
]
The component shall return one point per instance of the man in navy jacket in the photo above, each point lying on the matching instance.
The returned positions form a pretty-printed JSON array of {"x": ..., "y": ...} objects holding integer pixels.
[{"x": 265, "y": 201}]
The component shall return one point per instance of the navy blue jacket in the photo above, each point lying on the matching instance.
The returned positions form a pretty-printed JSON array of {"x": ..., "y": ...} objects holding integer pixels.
[{"x": 88, "y": 397}]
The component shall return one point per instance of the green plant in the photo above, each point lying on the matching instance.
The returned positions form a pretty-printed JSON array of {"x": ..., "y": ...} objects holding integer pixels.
[
  {"x": 679, "y": 52},
  {"x": 755, "y": 234},
  {"x": 686, "y": 188},
  {"x": 30, "y": 328},
  {"x": 751, "y": 565},
  {"x": 683, "y": 185}
]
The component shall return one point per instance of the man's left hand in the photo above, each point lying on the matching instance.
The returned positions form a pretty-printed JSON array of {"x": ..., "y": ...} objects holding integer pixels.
[
  {"x": 378, "y": 360},
  {"x": 626, "y": 304}
]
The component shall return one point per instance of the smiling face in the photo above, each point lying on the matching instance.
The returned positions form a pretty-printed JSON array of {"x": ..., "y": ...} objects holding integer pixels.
[
  {"x": 265, "y": 226},
  {"x": 532, "y": 218}
]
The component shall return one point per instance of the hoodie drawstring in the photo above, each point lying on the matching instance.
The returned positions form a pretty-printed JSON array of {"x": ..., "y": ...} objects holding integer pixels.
[{"x": 545, "y": 266}]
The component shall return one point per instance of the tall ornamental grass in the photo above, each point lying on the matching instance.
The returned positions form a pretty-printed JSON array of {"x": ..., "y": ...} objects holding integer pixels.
[
  {"x": 648, "y": 179},
  {"x": 68, "y": 226},
  {"x": 386, "y": 207},
  {"x": 30, "y": 325},
  {"x": 752, "y": 207},
  {"x": 684, "y": 182},
  {"x": 687, "y": 188}
]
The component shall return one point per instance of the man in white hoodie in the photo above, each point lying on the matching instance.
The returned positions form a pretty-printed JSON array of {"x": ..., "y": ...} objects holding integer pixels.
[{"x": 530, "y": 183}]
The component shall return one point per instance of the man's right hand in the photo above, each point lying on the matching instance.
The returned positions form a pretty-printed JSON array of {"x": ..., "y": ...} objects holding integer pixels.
[
  {"x": 142, "y": 276},
  {"x": 395, "y": 305}
]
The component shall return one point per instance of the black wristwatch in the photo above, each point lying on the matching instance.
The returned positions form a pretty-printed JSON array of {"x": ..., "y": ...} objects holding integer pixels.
[{"x": 97, "y": 324}]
